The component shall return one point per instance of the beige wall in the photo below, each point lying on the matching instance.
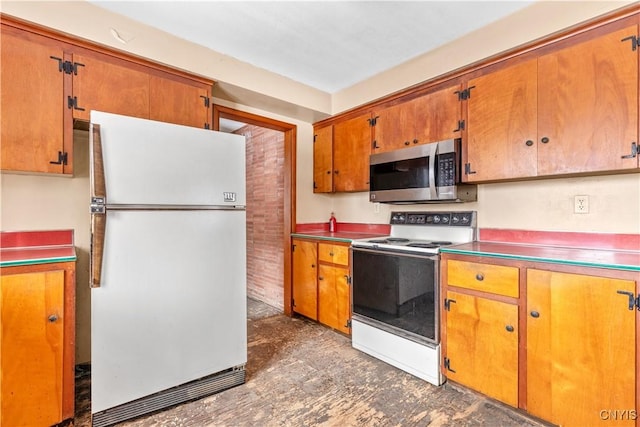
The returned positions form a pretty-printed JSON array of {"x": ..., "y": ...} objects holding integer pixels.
[{"x": 44, "y": 202}]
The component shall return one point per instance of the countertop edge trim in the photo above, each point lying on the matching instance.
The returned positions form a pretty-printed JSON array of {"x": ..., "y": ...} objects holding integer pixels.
[{"x": 542, "y": 259}]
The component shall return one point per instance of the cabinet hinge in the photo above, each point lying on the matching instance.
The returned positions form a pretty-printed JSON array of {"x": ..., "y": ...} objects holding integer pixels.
[
  {"x": 206, "y": 100},
  {"x": 348, "y": 279},
  {"x": 447, "y": 365},
  {"x": 373, "y": 121},
  {"x": 460, "y": 126},
  {"x": 634, "y": 151},
  {"x": 72, "y": 103},
  {"x": 293, "y": 247},
  {"x": 635, "y": 42},
  {"x": 62, "y": 159},
  {"x": 464, "y": 94},
  {"x": 447, "y": 303},
  {"x": 67, "y": 67},
  {"x": 467, "y": 169},
  {"x": 634, "y": 302},
  {"x": 375, "y": 145},
  {"x": 314, "y": 138},
  {"x": 207, "y": 126},
  {"x": 348, "y": 325}
]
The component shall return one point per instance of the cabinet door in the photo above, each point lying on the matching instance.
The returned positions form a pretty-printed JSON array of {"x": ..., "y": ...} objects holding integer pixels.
[
  {"x": 323, "y": 160},
  {"x": 176, "y": 102},
  {"x": 581, "y": 346},
  {"x": 502, "y": 125},
  {"x": 111, "y": 85},
  {"x": 482, "y": 345},
  {"x": 32, "y": 105},
  {"x": 588, "y": 106},
  {"x": 351, "y": 150},
  {"x": 436, "y": 116},
  {"x": 32, "y": 308},
  {"x": 334, "y": 307},
  {"x": 395, "y": 127},
  {"x": 305, "y": 278}
]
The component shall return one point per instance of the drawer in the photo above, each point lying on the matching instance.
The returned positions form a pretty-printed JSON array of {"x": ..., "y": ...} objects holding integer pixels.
[
  {"x": 496, "y": 279},
  {"x": 335, "y": 254}
]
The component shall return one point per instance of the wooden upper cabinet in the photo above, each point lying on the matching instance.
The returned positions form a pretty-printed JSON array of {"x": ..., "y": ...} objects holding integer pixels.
[
  {"x": 588, "y": 106},
  {"x": 351, "y": 150},
  {"x": 323, "y": 159},
  {"x": 437, "y": 115},
  {"x": 581, "y": 348},
  {"x": 111, "y": 85},
  {"x": 181, "y": 103},
  {"x": 33, "y": 105},
  {"x": 502, "y": 125},
  {"x": 395, "y": 127},
  {"x": 428, "y": 118}
]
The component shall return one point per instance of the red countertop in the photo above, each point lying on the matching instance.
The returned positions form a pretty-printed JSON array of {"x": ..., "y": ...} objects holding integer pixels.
[{"x": 36, "y": 247}]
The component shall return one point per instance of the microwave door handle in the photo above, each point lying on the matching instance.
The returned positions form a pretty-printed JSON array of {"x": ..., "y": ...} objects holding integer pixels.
[{"x": 433, "y": 191}]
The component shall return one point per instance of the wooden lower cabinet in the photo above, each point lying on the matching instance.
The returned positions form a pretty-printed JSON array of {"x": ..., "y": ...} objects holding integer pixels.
[
  {"x": 37, "y": 344},
  {"x": 563, "y": 349},
  {"x": 321, "y": 283},
  {"x": 482, "y": 345},
  {"x": 581, "y": 349},
  {"x": 305, "y": 278}
]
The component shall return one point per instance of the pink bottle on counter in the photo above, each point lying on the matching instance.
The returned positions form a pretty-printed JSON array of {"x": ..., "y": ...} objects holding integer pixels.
[{"x": 332, "y": 223}]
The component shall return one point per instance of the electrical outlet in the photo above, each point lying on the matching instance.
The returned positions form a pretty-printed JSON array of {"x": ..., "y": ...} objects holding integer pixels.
[
  {"x": 581, "y": 204},
  {"x": 376, "y": 208}
]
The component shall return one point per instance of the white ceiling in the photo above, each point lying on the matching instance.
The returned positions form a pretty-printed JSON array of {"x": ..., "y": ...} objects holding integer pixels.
[{"x": 328, "y": 45}]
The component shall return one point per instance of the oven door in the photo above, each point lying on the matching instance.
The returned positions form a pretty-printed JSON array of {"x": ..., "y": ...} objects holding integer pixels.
[{"x": 398, "y": 292}]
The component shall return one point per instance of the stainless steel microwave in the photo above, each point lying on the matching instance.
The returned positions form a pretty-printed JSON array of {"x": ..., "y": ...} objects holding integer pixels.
[{"x": 424, "y": 173}]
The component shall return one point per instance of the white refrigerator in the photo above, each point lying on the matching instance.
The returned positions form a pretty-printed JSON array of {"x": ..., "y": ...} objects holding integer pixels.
[{"x": 168, "y": 265}]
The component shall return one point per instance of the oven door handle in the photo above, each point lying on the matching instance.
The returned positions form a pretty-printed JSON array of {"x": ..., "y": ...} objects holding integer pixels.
[
  {"x": 433, "y": 190},
  {"x": 435, "y": 257}
]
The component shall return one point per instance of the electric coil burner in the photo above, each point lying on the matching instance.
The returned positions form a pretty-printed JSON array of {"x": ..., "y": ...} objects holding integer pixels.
[{"x": 395, "y": 289}]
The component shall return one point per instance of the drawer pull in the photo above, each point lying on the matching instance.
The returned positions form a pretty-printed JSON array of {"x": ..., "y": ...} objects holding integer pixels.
[
  {"x": 509, "y": 328},
  {"x": 480, "y": 277},
  {"x": 53, "y": 318},
  {"x": 535, "y": 314}
]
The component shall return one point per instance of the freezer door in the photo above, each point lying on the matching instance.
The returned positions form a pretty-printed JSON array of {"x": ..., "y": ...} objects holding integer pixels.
[
  {"x": 172, "y": 303},
  {"x": 154, "y": 163}
]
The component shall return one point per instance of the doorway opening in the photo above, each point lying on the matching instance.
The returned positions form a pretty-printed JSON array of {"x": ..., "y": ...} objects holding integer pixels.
[{"x": 270, "y": 203}]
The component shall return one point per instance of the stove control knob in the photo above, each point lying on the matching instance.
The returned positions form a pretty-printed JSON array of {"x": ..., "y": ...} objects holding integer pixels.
[
  {"x": 436, "y": 219},
  {"x": 445, "y": 219},
  {"x": 455, "y": 219}
]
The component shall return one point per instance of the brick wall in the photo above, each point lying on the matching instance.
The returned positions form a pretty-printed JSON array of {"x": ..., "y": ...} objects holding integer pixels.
[{"x": 265, "y": 214}]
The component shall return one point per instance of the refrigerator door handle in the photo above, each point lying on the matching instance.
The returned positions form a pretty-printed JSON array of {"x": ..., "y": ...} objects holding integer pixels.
[{"x": 98, "y": 210}]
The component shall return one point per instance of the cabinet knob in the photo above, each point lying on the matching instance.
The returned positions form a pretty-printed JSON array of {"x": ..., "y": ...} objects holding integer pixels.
[
  {"x": 479, "y": 277},
  {"x": 529, "y": 143},
  {"x": 320, "y": 278},
  {"x": 53, "y": 318},
  {"x": 407, "y": 143},
  {"x": 330, "y": 253},
  {"x": 313, "y": 266},
  {"x": 544, "y": 140},
  {"x": 415, "y": 141},
  {"x": 509, "y": 328},
  {"x": 535, "y": 314}
]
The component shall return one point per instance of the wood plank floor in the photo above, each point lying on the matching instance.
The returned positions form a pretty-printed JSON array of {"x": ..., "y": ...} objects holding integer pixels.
[{"x": 300, "y": 373}]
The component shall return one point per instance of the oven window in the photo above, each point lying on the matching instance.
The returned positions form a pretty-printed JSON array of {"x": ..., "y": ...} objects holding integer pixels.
[
  {"x": 397, "y": 290},
  {"x": 401, "y": 174}
]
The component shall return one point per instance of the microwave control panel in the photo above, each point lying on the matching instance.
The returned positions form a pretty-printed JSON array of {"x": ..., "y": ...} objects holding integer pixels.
[{"x": 446, "y": 170}]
